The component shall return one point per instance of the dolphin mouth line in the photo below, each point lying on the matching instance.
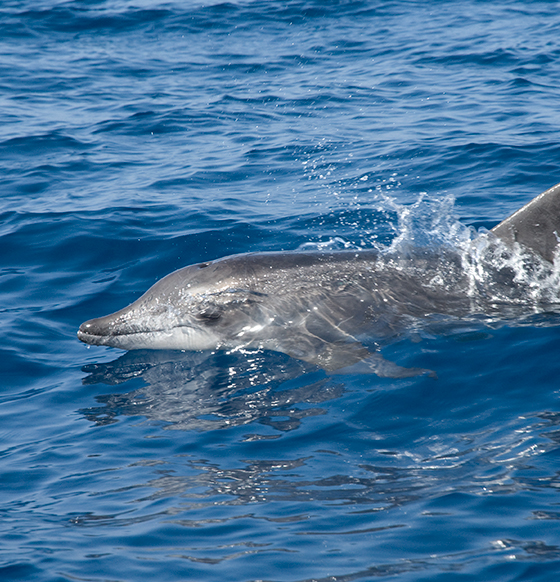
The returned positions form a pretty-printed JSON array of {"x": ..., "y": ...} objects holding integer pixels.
[
  {"x": 88, "y": 334},
  {"x": 82, "y": 333}
]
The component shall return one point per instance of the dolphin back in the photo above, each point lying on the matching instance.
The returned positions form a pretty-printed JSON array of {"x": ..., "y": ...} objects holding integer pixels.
[{"x": 536, "y": 226}]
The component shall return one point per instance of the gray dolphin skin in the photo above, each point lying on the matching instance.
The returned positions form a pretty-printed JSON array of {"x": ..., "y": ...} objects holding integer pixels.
[
  {"x": 536, "y": 226},
  {"x": 320, "y": 306}
]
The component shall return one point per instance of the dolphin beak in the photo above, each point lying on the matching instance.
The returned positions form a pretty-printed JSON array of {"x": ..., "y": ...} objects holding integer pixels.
[
  {"x": 92, "y": 331},
  {"x": 101, "y": 330}
]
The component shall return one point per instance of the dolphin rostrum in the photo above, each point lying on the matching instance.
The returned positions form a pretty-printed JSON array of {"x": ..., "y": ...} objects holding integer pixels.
[{"x": 320, "y": 306}]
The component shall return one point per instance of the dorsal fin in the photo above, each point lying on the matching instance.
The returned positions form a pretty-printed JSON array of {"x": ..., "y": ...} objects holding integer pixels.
[{"x": 536, "y": 225}]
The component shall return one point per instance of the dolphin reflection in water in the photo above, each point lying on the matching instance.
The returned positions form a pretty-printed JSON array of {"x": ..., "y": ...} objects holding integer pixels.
[{"x": 325, "y": 307}]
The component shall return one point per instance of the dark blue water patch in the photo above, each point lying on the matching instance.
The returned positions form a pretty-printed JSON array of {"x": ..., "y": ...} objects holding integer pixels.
[
  {"x": 23, "y": 571},
  {"x": 524, "y": 85},
  {"x": 76, "y": 19},
  {"x": 17, "y": 370},
  {"x": 297, "y": 12},
  {"x": 149, "y": 122},
  {"x": 498, "y": 57},
  {"x": 53, "y": 142}
]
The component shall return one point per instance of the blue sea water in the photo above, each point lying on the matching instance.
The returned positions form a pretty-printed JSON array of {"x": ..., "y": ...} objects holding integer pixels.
[{"x": 137, "y": 137}]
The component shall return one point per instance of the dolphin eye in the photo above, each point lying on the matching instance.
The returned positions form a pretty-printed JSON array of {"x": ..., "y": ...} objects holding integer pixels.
[
  {"x": 209, "y": 313},
  {"x": 203, "y": 265}
]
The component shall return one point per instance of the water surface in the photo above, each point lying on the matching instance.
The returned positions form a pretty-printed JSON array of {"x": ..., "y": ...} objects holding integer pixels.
[{"x": 139, "y": 137}]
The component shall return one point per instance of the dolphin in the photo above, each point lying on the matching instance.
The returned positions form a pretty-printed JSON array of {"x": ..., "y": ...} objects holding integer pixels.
[{"x": 326, "y": 308}]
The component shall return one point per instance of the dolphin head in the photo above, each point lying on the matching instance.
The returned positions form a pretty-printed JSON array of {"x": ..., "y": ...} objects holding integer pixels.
[{"x": 200, "y": 307}]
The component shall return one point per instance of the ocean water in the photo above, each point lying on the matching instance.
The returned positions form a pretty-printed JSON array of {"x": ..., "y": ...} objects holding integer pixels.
[{"x": 137, "y": 137}]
